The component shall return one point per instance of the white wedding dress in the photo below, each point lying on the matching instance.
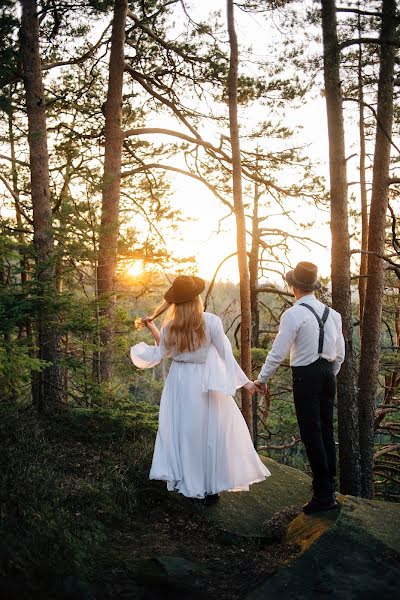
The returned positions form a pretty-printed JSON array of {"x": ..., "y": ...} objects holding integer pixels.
[{"x": 203, "y": 445}]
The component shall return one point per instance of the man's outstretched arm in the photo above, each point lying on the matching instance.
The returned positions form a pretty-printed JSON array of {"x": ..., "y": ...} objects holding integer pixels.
[{"x": 280, "y": 348}]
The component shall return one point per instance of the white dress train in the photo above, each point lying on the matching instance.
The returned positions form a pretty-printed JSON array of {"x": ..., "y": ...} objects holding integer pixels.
[{"x": 203, "y": 445}]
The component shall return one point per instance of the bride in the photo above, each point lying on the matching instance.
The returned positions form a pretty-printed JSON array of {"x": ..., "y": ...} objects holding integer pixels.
[{"x": 203, "y": 446}]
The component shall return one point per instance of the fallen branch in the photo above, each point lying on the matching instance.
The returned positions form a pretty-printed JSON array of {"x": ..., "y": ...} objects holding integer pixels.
[
  {"x": 295, "y": 440},
  {"x": 386, "y": 450}
]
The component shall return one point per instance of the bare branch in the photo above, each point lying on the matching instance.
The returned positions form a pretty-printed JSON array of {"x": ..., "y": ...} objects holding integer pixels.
[
  {"x": 357, "y": 11},
  {"x": 286, "y": 234},
  {"x": 137, "y": 77},
  {"x": 210, "y": 287},
  {"x": 382, "y": 256},
  {"x": 148, "y": 167},
  {"x": 273, "y": 290},
  {"x": 395, "y": 240},
  {"x": 386, "y": 450},
  {"x": 79, "y": 59},
  {"x": 177, "y": 134},
  {"x": 372, "y": 109},
  {"x": 365, "y": 40},
  {"x": 167, "y": 45},
  {"x": 73, "y": 61},
  {"x": 19, "y": 162},
  {"x": 16, "y": 199},
  {"x": 295, "y": 440}
]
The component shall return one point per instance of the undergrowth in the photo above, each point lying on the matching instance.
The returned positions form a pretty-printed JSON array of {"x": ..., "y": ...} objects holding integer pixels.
[{"x": 66, "y": 482}]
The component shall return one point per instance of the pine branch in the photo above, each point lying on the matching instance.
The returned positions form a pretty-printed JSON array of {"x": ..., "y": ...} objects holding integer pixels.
[{"x": 366, "y": 40}]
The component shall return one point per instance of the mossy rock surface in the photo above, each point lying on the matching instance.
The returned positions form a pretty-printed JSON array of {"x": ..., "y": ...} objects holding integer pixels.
[
  {"x": 242, "y": 514},
  {"x": 355, "y": 556}
]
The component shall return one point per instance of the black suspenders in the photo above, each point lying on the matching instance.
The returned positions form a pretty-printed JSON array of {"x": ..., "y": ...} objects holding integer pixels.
[{"x": 321, "y": 323}]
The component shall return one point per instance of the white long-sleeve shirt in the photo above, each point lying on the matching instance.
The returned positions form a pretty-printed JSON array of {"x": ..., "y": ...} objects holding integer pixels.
[{"x": 299, "y": 334}]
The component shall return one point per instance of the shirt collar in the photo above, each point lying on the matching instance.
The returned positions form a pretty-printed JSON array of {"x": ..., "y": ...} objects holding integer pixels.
[{"x": 306, "y": 297}]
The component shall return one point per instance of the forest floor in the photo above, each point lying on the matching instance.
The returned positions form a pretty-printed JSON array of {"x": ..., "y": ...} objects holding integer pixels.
[{"x": 79, "y": 517}]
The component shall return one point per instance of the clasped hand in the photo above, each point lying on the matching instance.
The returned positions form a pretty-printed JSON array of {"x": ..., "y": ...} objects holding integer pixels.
[{"x": 256, "y": 387}]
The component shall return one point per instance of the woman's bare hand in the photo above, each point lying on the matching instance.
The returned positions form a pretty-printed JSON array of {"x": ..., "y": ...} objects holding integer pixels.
[
  {"x": 250, "y": 387},
  {"x": 148, "y": 323}
]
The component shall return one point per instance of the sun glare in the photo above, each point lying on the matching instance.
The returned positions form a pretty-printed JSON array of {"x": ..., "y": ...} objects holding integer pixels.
[{"x": 135, "y": 268}]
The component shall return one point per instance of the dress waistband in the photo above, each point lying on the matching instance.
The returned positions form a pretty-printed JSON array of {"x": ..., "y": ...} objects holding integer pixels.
[{"x": 189, "y": 362}]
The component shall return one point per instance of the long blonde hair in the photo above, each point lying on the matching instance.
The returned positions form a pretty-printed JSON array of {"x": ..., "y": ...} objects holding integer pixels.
[
  {"x": 184, "y": 325},
  {"x": 185, "y": 328}
]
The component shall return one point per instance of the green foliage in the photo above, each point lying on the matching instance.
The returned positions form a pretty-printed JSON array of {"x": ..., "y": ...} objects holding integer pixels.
[
  {"x": 16, "y": 368},
  {"x": 8, "y": 48}
]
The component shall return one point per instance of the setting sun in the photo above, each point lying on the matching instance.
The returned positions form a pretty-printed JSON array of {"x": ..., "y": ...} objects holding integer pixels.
[{"x": 135, "y": 268}]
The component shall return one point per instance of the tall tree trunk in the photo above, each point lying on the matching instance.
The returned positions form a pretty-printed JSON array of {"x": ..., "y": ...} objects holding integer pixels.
[
  {"x": 253, "y": 271},
  {"x": 108, "y": 237},
  {"x": 349, "y": 456},
  {"x": 371, "y": 346},
  {"x": 48, "y": 384},
  {"x": 362, "y": 282},
  {"x": 245, "y": 329}
]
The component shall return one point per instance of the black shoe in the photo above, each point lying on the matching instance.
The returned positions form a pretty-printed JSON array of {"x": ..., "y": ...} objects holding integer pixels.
[
  {"x": 211, "y": 499},
  {"x": 316, "y": 505}
]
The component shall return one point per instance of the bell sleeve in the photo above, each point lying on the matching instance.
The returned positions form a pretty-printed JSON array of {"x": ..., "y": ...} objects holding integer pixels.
[
  {"x": 222, "y": 373},
  {"x": 145, "y": 356}
]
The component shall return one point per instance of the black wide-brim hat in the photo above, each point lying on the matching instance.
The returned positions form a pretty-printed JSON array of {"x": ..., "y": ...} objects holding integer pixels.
[
  {"x": 304, "y": 277},
  {"x": 184, "y": 289}
]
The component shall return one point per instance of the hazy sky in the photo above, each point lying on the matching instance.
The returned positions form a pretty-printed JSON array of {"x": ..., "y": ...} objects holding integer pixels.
[{"x": 196, "y": 201}]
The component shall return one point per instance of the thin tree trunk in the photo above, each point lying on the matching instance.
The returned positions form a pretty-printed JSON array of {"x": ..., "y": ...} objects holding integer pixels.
[
  {"x": 63, "y": 221},
  {"x": 371, "y": 346},
  {"x": 48, "y": 384},
  {"x": 349, "y": 457},
  {"x": 253, "y": 271},
  {"x": 108, "y": 238},
  {"x": 362, "y": 282},
  {"x": 245, "y": 307}
]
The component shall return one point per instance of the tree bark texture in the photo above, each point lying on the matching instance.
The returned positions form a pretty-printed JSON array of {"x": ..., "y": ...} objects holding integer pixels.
[
  {"x": 245, "y": 306},
  {"x": 349, "y": 457},
  {"x": 108, "y": 237},
  {"x": 362, "y": 282},
  {"x": 48, "y": 383},
  {"x": 371, "y": 346},
  {"x": 253, "y": 271}
]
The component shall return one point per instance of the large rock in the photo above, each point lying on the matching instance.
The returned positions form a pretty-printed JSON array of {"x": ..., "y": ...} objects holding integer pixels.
[
  {"x": 353, "y": 554},
  {"x": 242, "y": 514}
]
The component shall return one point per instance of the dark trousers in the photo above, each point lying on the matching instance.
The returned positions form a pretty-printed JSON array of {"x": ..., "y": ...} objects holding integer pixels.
[{"x": 314, "y": 389}]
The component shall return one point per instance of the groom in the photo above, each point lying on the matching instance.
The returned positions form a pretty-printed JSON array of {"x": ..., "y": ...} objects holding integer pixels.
[{"x": 312, "y": 333}]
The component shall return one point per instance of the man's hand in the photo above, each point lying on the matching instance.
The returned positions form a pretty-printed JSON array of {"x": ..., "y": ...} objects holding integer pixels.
[{"x": 261, "y": 388}]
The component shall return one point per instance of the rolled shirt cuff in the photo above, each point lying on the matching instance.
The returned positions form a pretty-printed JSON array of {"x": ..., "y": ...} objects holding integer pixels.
[{"x": 262, "y": 379}]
